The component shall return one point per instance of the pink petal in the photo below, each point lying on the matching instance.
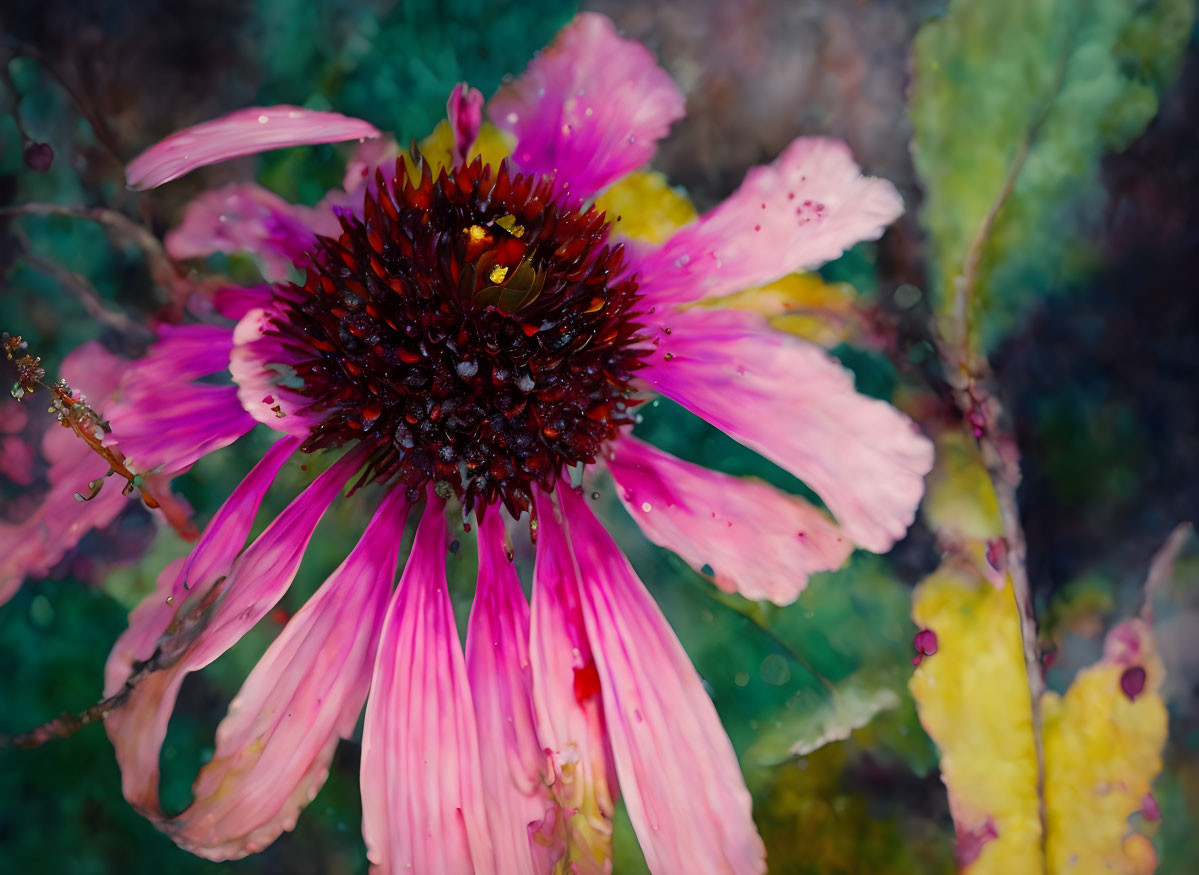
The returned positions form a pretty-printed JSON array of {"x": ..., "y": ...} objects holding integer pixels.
[
  {"x": 568, "y": 705},
  {"x": 806, "y": 208},
  {"x": 465, "y": 112},
  {"x": 793, "y": 403},
  {"x": 163, "y": 421},
  {"x": 590, "y": 108},
  {"x": 678, "y": 773},
  {"x": 263, "y": 369},
  {"x": 234, "y": 302},
  {"x": 219, "y": 593},
  {"x": 248, "y": 218},
  {"x": 759, "y": 542},
  {"x": 422, "y": 802},
  {"x": 244, "y": 132},
  {"x": 497, "y": 664},
  {"x": 274, "y": 748}
]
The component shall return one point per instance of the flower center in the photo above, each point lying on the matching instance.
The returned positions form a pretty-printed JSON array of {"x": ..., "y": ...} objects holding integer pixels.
[{"x": 478, "y": 333}]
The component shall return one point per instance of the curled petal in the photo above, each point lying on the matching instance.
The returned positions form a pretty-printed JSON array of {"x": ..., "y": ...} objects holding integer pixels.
[
  {"x": 422, "y": 798},
  {"x": 244, "y": 132},
  {"x": 793, "y": 403},
  {"x": 497, "y": 664},
  {"x": 758, "y": 541},
  {"x": 264, "y": 370},
  {"x": 274, "y": 747},
  {"x": 568, "y": 705},
  {"x": 806, "y": 208},
  {"x": 590, "y": 107},
  {"x": 465, "y": 112},
  {"x": 248, "y": 218},
  {"x": 678, "y": 773}
]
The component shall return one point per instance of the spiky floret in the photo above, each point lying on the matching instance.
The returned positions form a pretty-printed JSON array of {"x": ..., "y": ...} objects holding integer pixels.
[{"x": 475, "y": 331}]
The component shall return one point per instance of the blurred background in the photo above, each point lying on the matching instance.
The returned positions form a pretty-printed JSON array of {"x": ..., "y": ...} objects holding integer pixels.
[{"x": 1095, "y": 343}]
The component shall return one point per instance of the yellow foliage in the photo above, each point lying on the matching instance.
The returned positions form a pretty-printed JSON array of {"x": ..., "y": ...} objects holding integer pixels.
[
  {"x": 959, "y": 497},
  {"x": 974, "y": 703},
  {"x": 803, "y": 304},
  {"x": 492, "y": 144},
  {"x": 643, "y": 206},
  {"x": 1103, "y": 747}
]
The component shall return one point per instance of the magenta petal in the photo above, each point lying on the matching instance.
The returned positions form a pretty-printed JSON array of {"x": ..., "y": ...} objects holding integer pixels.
[
  {"x": 263, "y": 369},
  {"x": 497, "y": 664},
  {"x": 274, "y": 747},
  {"x": 678, "y": 772},
  {"x": 244, "y": 132},
  {"x": 793, "y": 403},
  {"x": 806, "y": 208},
  {"x": 465, "y": 112},
  {"x": 590, "y": 107},
  {"x": 248, "y": 218},
  {"x": 758, "y": 541},
  {"x": 568, "y": 705},
  {"x": 422, "y": 796},
  {"x": 138, "y": 727}
]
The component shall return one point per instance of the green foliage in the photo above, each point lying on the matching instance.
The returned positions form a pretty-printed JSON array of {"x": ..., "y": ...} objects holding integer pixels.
[{"x": 1029, "y": 95}]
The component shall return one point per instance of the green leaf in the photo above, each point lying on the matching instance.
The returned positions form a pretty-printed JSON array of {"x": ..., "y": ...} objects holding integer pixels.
[{"x": 1013, "y": 106}]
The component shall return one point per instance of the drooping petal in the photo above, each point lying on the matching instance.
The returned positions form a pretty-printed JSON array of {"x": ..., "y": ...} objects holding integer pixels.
[
  {"x": 568, "y": 705},
  {"x": 234, "y": 302},
  {"x": 263, "y": 369},
  {"x": 793, "y": 403},
  {"x": 758, "y": 541},
  {"x": 218, "y": 595},
  {"x": 161, "y": 421},
  {"x": 590, "y": 107},
  {"x": 501, "y": 682},
  {"x": 422, "y": 798},
  {"x": 248, "y": 218},
  {"x": 806, "y": 208},
  {"x": 678, "y": 773},
  {"x": 274, "y": 747},
  {"x": 244, "y": 132}
]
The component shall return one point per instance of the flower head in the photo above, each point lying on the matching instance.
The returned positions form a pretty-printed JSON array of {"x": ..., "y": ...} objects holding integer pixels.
[{"x": 478, "y": 333}]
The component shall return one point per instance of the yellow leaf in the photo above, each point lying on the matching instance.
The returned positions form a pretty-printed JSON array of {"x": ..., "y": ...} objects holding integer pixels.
[
  {"x": 643, "y": 206},
  {"x": 1103, "y": 744},
  {"x": 491, "y": 144},
  {"x": 974, "y": 702},
  {"x": 803, "y": 304}
]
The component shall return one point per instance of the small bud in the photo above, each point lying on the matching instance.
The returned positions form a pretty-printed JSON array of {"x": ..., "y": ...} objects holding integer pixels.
[
  {"x": 38, "y": 156},
  {"x": 925, "y": 644},
  {"x": 1132, "y": 682}
]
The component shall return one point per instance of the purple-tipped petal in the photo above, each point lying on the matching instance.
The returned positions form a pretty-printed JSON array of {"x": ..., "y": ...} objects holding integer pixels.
[
  {"x": 465, "y": 112},
  {"x": 263, "y": 369},
  {"x": 274, "y": 747},
  {"x": 806, "y": 208},
  {"x": 568, "y": 706},
  {"x": 248, "y": 218},
  {"x": 164, "y": 422},
  {"x": 501, "y": 682},
  {"x": 790, "y": 401},
  {"x": 219, "y": 593},
  {"x": 422, "y": 796},
  {"x": 590, "y": 107},
  {"x": 758, "y": 541},
  {"x": 678, "y": 773},
  {"x": 244, "y": 132}
]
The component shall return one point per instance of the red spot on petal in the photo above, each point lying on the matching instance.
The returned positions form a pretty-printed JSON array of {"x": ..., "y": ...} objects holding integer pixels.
[
  {"x": 1132, "y": 682},
  {"x": 1149, "y": 809},
  {"x": 971, "y": 843},
  {"x": 586, "y": 683}
]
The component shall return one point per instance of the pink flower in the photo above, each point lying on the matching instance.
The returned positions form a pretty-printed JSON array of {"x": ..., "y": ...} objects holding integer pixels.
[{"x": 472, "y": 339}]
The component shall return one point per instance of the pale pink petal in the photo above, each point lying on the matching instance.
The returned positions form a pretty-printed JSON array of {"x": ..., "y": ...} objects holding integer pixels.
[
  {"x": 567, "y": 704},
  {"x": 422, "y": 797},
  {"x": 589, "y": 108},
  {"x": 161, "y": 421},
  {"x": 274, "y": 747},
  {"x": 248, "y": 218},
  {"x": 263, "y": 368},
  {"x": 43, "y": 535},
  {"x": 758, "y": 541},
  {"x": 16, "y": 459},
  {"x": 677, "y": 769},
  {"x": 465, "y": 112},
  {"x": 360, "y": 170},
  {"x": 497, "y": 665},
  {"x": 244, "y": 132},
  {"x": 793, "y": 403},
  {"x": 219, "y": 592},
  {"x": 806, "y": 208}
]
